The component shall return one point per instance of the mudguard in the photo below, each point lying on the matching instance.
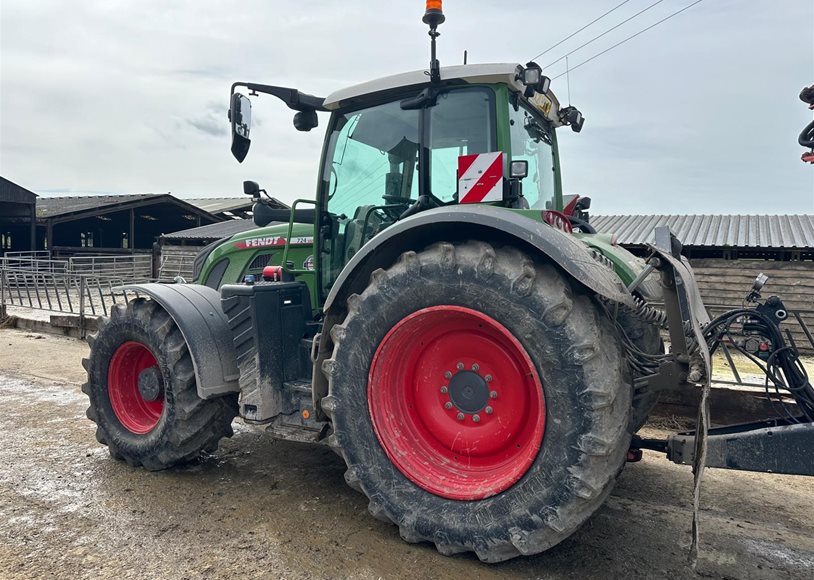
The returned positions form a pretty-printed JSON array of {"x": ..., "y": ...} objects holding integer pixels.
[
  {"x": 197, "y": 312},
  {"x": 459, "y": 222}
]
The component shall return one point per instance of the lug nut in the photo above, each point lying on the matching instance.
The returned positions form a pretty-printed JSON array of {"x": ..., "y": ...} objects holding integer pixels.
[
  {"x": 447, "y": 375},
  {"x": 476, "y": 418},
  {"x": 448, "y": 405},
  {"x": 488, "y": 378},
  {"x": 493, "y": 395},
  {"x": 489, "y": 410},
  {"x": 460, "y": 416},
  {"x": 460, "y": 365},
  {"x": 444, "y": 390},
  {"x": 475, "y": 367}
]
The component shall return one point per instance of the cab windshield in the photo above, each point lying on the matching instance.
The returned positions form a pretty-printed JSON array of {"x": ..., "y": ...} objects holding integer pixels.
[{"x": 371, "y": 165}]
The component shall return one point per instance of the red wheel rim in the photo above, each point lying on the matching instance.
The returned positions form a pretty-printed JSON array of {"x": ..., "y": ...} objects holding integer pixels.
[
  {"x": 131, "y": 409},
  {"x": 431, "y": 415}
]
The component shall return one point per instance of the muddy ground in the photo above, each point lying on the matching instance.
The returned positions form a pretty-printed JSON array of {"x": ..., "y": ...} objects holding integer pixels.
[{"x": 265, "y": 508}]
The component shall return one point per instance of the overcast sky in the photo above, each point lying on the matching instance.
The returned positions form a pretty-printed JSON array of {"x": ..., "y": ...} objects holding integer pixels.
[{"x": 698, "y": 115}]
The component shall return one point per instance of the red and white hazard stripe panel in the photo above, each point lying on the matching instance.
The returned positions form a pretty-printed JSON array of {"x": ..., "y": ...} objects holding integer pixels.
[{"x": 480, "y": 177}]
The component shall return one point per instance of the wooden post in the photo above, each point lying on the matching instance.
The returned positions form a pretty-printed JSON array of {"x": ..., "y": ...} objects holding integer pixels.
[
  {"x": 82, "y": 289},
  {"x": 33, "y": 238},
  {"x": 132, "y": 238},
  {"x": 156, "y": 258},
  {"x": 49, "y": 237}
]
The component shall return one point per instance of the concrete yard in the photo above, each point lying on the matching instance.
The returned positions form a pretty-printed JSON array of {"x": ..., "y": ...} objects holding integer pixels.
[{"x": 265, "y": 508}]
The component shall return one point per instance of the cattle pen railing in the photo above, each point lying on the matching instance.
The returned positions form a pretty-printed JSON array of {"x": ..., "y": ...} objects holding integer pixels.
[
  {"x": 86, "y": 287},
  {"x": 83, "y": 286}
]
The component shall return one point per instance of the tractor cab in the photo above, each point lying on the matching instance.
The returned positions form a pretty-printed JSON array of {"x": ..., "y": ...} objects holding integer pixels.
[
  {"x": 403, "y": 144},
  {"x": 399, "y": 145}
]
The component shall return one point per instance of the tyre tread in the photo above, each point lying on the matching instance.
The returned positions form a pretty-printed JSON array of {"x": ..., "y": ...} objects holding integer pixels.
[{"x": 602, "y": 449}]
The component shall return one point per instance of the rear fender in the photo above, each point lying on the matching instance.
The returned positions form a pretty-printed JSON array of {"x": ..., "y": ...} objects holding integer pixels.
[
  {"x": 483, "y": 222},
  {"x": 455, "y": 223},
  {"x": 197, "y": 312}
]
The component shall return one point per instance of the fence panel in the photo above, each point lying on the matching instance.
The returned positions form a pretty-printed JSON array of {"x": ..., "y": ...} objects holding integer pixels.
[
  {"x": 177, "y": 261},
  {"x": 135, "y": 267},
  {"x": 82, "y": 286}
]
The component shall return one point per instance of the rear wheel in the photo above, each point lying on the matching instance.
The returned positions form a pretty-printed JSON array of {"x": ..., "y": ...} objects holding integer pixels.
[
  {"x": 143, "y": 397},
  {"x": 480, "y": 401}
]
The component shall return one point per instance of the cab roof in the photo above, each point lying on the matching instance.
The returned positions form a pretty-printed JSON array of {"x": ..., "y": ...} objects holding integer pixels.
[{"x": 488, "y": 73}]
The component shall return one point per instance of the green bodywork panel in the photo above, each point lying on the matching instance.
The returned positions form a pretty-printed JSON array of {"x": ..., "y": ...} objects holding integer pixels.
[
  {"x": 249, "y": 252},
  {"x": 626, "y": 265}
]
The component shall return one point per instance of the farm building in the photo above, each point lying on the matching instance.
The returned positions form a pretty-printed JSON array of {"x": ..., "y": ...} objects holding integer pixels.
[
  {"x": 112, "y": 223},
  {"x": 728, "y": 252},
  {"x": 770, "y": 237},
  {"x": 17, "y": 217}
]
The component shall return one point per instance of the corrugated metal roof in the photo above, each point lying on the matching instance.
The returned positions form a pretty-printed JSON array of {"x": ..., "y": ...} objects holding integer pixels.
[
  {"x": 78, "y": 206},
  {"x": 56, "y": 206},
  {"x": 737, "y": 231},
  {"x": 231, "y": 204},
  {"x": 213, "y": 231},
  {"x": 221, "y": 204},
  {"x": 10, "y": 191}
]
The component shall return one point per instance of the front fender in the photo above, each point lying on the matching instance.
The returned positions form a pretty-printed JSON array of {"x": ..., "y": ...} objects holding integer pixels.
[
  {"x": 484, "y": 222},
  {"x": 197, "y": 312}
]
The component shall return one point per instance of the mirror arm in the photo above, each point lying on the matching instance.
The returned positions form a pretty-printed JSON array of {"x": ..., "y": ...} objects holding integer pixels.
[{"x": 293, "y": 98}]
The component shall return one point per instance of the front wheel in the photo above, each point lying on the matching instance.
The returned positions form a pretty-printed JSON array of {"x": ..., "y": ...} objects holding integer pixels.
[
  {"x": 142, "y": 391},
  {"x": 479, "y": 399}
]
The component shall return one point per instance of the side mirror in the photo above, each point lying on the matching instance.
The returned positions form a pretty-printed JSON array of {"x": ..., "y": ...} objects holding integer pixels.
[
  {"x": 251, "y": 188},
  {"x": 583, "y": 203},
  {"x": 240, "y": 114},
  {"x": 305, "y": 120},
  {"x": 519, "y": 169}
]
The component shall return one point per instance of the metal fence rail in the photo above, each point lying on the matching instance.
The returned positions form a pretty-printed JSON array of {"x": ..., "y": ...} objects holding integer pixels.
[
  {"x": 138, "y": 266},
  {"x": 82, "y": 286},
  {"x": 81, "y": 294},
  {"x": 42, "y": 254},
  {"x": 34, "y": 264},
  {"x": 134, "y": 266}
]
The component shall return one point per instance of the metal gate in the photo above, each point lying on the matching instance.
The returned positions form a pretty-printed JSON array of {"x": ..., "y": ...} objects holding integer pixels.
[{"x": 83, "y": 286}]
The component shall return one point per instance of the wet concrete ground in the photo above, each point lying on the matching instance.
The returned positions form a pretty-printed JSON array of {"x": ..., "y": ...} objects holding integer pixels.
[{"x": 265, "y": 508}]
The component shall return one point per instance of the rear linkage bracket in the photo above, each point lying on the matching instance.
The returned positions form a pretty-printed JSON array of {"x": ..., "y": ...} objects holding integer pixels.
[
  {"x": 689, "y": 361},
  {"x": 775, "y": 446}
]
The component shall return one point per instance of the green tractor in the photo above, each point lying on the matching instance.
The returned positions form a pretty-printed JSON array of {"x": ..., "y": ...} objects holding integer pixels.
[{"x": 439, "y": 316}]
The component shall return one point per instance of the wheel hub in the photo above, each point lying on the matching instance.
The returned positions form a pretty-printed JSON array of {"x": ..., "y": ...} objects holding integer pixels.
[
  {"x": 151, "y": 384},
  {"x": 135, "y": 387},
  {"x": 456, "y": 402},
  {"x": 468, "y": 392}
]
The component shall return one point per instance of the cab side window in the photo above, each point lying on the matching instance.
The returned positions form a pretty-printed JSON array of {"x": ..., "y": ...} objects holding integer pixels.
[{"x": 531, "y": 141}]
